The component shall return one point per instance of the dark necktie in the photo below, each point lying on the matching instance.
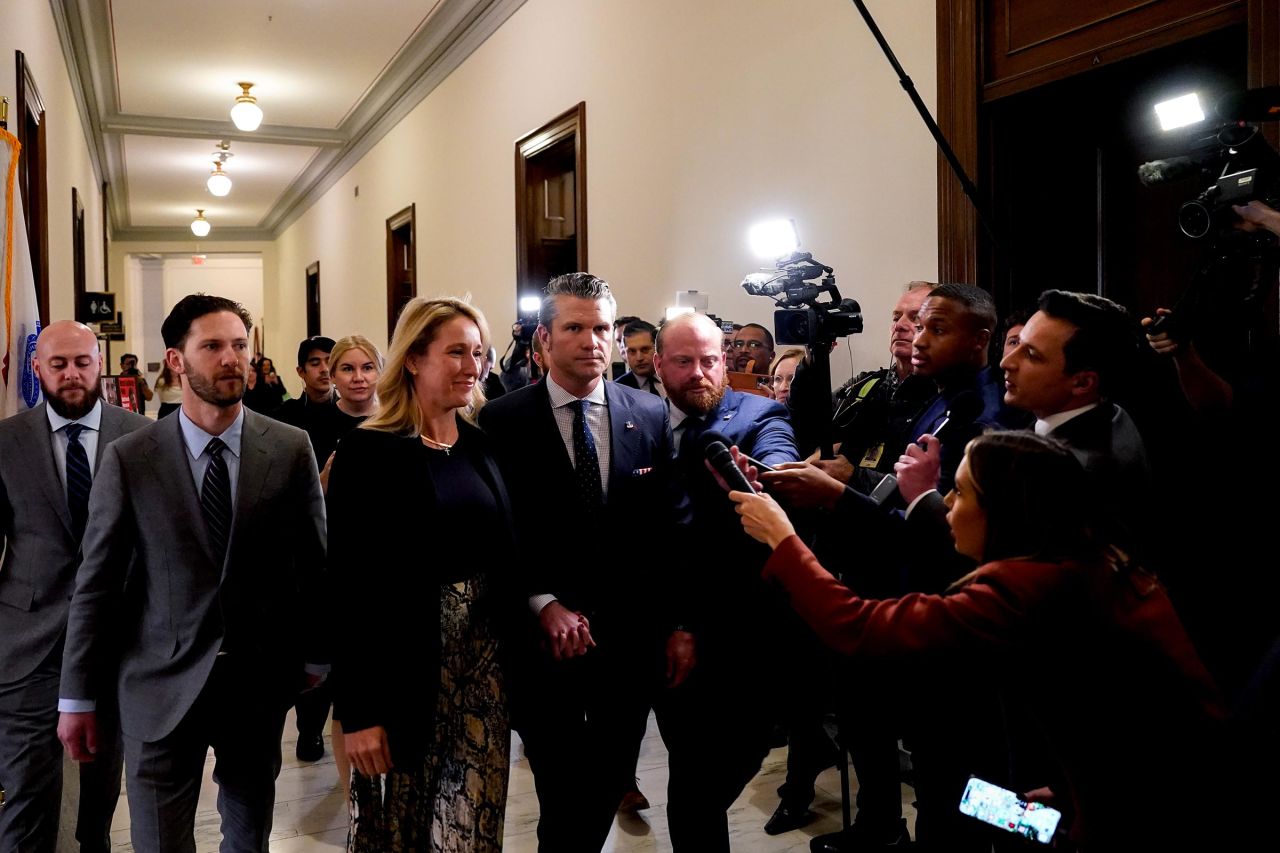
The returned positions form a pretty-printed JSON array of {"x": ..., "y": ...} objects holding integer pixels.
[
  {"x": 586, "y": 465},
  {"x": 79, "y": 480},
  {"x": 690, "y": 429},
  {"x": 215, "y": 498}
]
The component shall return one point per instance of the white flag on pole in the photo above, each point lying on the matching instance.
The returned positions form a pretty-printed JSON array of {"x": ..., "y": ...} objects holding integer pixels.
[{"x": 21, "y": 315}]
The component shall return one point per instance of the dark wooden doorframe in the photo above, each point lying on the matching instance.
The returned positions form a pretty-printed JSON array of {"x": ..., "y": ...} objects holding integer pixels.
[
  {"x": 963, "y": 89},
  {"x": 313, "y": 300},
  {"x": 572, "y": 122},
  {"x": 402, "y": 264},
  {"x": 32, "y": 133}
]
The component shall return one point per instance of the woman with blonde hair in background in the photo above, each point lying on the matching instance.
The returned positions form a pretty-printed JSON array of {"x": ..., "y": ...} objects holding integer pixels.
[
  {"x": 419, "y": 527},
  {"x": 354, "y": 366}
]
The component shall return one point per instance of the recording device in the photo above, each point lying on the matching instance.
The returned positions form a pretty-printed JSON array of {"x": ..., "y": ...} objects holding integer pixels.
[
  {"x": 963, "y": 409},
  {"x": 885, "y": 489},
  {"x": 719, "y": 457},
  {"x": 1002, "y": 808},
  {"x": 960, "y": 414},
  {"x": 797, "y": 284},
  {"x": 715, "y": 448},
  {"x": 803, "y": 320},
  {"x": 1239, "y": 166},
  {"x": 756, "y": 462}
]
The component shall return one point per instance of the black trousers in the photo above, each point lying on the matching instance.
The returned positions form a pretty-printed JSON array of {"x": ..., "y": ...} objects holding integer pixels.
[{"x": 581, "y": 721}]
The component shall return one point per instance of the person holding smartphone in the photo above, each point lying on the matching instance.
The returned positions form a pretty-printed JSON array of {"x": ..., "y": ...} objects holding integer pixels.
[{"x": 1088, "y": 640}]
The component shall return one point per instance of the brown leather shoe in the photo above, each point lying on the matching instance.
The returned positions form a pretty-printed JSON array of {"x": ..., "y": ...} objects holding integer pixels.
[{"x": 633, "y": 801}]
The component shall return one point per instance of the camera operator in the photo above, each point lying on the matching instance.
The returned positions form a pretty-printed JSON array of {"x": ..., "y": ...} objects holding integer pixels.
[{"x": 870, "y": 408}]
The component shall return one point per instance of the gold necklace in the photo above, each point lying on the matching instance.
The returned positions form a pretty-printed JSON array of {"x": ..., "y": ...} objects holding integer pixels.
[{"x": 436, "y": 445}]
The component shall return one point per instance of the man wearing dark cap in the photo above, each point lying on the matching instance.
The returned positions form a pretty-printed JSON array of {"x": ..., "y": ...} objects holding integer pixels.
[
  {"x": 306, "y": 413},
  {"x": 317, "y": 389}
]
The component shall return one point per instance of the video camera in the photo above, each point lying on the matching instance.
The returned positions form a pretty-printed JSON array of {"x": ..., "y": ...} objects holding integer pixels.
[
  {"x": 803, "y": 320},
  {"x": 1240, "y": 166}
]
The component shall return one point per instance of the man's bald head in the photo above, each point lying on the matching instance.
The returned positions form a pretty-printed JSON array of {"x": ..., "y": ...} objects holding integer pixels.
[
  {"x": 69, "y": 364},
  {"x": 686, "y": 321}
]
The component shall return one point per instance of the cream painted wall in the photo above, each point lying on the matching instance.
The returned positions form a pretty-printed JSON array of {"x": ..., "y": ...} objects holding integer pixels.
[
  {"x": 27, "y": 25},
  {"x": 701, "y": 118}
]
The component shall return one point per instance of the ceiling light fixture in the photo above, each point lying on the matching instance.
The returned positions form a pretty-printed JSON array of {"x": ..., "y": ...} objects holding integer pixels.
[
  {"x": 246, "y": 114},
  {"x": 219, "y": 183},
  {"x": 200, "y": 226}
]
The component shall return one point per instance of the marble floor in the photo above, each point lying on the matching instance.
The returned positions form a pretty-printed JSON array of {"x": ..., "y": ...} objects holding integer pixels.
[{"x": 311, "y": 816}]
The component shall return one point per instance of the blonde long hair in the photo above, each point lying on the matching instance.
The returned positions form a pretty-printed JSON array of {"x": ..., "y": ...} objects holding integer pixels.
[{"x": 419, "y": 323}]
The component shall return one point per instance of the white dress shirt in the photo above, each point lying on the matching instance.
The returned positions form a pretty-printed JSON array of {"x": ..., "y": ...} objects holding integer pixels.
[
  {"x": 92, "y": 424},
  {"x": 1044, "y": 426}
]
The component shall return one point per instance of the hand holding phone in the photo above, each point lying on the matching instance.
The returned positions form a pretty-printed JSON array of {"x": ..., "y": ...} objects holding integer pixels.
[{"x": 1004, "y": 809}]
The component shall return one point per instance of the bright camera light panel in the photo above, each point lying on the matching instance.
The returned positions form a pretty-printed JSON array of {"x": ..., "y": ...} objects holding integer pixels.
[
  {"x": 530, "y": 304},
  {"x": 1179, "y": 112},
  {"x": 773, "y": 239}
]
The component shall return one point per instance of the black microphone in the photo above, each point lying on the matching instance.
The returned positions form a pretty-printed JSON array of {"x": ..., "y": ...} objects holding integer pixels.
[{"x": 717, "y": 453}]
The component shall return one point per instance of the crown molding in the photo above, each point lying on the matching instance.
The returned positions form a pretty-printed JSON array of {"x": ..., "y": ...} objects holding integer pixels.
[
  {"x": 190, "y": 128},
  {"x": 151, "y": 234}
]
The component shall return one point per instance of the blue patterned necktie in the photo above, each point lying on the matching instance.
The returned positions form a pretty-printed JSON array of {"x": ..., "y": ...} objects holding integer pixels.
[
  {"x": 215, "y": 498},
  {"x": 586, "y": 467},
  {"x": 79, "y": 480}
]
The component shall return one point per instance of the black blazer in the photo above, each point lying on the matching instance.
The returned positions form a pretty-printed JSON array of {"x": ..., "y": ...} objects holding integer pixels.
[
  {"x": 575, "y": 558},
  {"x": 387, "y": 653}
]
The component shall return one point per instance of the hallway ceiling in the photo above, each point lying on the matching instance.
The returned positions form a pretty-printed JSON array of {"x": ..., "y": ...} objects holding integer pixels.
[{"x": 156, "y": 79}]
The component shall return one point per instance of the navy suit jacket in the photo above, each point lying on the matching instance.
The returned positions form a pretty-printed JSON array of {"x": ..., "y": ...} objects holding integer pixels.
[
  {"x": 568, "y": 551},
  {"x": 729, "y": 591}
]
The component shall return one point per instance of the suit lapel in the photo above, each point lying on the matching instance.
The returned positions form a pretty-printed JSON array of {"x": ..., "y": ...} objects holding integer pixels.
[
  {"x": 167, "y": 457},
  {"x": 544, "y": 419},
  {"x": 38, "y": 448},
  {"x": 109, "y": 429},
  {"x": 626, "y": 437},
  {"x": 255, "y": 463}
]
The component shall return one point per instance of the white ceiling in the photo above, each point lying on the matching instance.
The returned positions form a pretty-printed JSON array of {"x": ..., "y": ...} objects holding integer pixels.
[
  {"x": 156, "y": 80},
  {"x": 310, "y": 60},
  {"x": 167, "y": 180}
]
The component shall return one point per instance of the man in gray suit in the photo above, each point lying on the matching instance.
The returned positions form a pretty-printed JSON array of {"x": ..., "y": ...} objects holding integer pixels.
[
  {"x": 224, "y": 509},
  {"x": 47, "y": 459}
]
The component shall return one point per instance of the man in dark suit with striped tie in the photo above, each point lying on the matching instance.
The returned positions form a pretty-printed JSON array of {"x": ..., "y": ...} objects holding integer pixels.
[
  {"x": 596, "y": 642},
  {"x": 224, "y": 510},
  {"x": 47, "y": 458}
]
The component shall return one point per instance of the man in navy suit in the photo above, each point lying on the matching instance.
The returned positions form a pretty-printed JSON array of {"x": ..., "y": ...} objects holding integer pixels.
[
  {"x": 716, "y": 726},
  {"x": 584, "y": 459}
]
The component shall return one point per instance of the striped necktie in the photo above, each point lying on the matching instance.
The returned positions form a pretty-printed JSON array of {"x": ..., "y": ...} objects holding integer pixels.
[
  {"x": 79, "y": 480},
  {"x": 215, "y": 498}
]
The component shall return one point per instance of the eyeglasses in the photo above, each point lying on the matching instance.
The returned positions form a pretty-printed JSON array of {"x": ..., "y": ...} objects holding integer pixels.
[{"x": 749, "y": 344}]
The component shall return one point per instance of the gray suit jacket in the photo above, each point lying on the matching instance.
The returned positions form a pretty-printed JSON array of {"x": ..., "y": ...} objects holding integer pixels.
[
  {"x": 38, "y": 571},
  {"x": 180, "y": 607}
]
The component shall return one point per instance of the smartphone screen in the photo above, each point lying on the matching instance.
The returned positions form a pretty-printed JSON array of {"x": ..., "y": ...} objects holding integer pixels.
[{"x": 999, "y": 807}]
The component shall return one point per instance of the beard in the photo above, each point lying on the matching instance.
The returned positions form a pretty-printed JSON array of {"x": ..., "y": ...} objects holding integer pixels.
[
  {"x": 74, "y": 411},
  {"x": 700, "y": 404},
  {"x": 206, "y": 387}
]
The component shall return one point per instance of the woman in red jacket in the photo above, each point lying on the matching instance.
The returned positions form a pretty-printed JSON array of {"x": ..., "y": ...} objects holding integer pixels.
[{"x": 1090, "y": 643}]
